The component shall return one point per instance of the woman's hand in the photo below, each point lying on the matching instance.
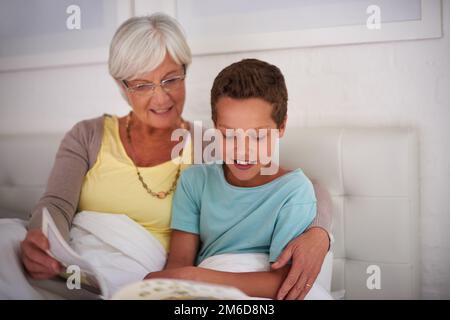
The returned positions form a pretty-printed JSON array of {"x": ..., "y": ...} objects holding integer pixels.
[
  {"x": 307, "y": 253},
  {"x": 36, "y": 261},
  {"x": 183, "y": 273}
]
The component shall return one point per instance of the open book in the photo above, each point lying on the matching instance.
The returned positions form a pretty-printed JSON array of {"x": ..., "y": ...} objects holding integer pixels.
[
  {"x": 60, "y": 250},
  {"x": 173, "y": 289}
]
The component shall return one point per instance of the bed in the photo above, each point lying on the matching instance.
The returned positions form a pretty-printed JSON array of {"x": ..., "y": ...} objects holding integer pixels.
[{"x": 372, "y": 175}]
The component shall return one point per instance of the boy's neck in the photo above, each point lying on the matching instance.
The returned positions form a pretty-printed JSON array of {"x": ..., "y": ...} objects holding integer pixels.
[{"x": 256, "y": 181}]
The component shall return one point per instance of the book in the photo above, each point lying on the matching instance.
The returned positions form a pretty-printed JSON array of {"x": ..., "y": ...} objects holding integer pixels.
[
  {"x": 175, "y": 289},
  {"x": 61, "y": 251}
]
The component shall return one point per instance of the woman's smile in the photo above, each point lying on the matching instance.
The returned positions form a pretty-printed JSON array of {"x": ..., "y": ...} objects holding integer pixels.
[{"x": 161, "y": 111}]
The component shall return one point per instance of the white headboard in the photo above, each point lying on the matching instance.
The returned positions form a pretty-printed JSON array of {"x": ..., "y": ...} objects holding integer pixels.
[
  {"x": 25, "y": 164},
  {"x": 373, "y": 178}
]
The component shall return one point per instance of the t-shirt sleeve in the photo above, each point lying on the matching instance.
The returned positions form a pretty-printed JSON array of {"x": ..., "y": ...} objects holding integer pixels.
[
  {"x": 292, "y": 220},
  {"x": 186, "y": 204}
]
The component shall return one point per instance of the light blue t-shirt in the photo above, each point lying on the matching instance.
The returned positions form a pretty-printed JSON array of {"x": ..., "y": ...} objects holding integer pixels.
[{"x": 232, "y": 219}]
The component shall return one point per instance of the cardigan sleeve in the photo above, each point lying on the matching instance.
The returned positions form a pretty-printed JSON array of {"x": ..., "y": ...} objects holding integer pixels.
[
  {"x": 324, "y": 216},
  {"x": 77, "y": 153}
]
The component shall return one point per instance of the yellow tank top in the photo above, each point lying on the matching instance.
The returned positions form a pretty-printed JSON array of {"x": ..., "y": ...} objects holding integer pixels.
[{"x": 112, "y": 185}]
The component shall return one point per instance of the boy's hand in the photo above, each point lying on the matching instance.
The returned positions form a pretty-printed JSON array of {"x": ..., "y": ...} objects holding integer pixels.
[{"x": 307, "y": 253}]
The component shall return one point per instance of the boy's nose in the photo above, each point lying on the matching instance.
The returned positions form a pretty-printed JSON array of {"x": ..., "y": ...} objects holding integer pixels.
[
  {"x": 241, "y": 156},
  {"x": 248, "y": 152}
]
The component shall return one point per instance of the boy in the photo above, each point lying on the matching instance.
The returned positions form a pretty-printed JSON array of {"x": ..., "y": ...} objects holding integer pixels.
[{"x": 233, "y": 209}]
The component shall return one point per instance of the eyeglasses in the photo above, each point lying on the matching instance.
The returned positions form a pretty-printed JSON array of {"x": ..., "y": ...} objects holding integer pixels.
[{"x": 148, "y": 89}]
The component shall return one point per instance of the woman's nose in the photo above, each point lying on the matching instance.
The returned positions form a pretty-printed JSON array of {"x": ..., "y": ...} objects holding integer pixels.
[{"x": 160, "y": 97}]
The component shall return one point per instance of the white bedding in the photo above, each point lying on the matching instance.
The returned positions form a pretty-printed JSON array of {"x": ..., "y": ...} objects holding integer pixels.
[{"x": 119, "y": 248}]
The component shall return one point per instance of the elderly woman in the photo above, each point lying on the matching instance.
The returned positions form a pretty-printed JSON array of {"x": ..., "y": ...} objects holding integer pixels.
[{"x": 123, "y": 165}]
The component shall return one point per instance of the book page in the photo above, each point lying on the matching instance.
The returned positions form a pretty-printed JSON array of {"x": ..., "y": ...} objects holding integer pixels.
[
  {"x": 174, "y": 289},
  {"x": 60, "y": 250}
]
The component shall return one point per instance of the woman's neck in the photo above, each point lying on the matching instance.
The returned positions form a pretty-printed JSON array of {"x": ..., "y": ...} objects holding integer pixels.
[
  {"x": 151, "y": 133},
  {"x": 148, "y": 132}
]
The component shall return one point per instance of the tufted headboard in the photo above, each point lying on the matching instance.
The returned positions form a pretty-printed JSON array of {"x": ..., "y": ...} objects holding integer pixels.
[
  {"x": 372, "y": 175},
  {"x": 25, "y": 164}
]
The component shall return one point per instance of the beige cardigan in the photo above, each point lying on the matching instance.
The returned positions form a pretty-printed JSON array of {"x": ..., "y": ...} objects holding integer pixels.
[{"x": 78, "y": 152}]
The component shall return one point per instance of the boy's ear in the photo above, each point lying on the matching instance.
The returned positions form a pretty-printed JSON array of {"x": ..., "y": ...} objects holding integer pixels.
[{"x": 282, "y": 127}]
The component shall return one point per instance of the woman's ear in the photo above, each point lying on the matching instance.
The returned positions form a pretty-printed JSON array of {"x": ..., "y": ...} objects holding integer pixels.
[{"x": 282, "y": 127}]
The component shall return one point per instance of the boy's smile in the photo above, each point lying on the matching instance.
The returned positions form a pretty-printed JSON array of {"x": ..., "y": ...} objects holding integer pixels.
[
  {"x": 252, "y": 118},
  {"x": 243, "y": 165}
]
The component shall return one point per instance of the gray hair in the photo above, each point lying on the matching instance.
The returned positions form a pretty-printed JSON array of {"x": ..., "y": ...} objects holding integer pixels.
[{"x": 141, "y": 43}]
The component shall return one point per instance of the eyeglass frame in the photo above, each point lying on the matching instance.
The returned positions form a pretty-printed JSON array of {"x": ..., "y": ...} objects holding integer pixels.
[{"x": 155, "y": 85}]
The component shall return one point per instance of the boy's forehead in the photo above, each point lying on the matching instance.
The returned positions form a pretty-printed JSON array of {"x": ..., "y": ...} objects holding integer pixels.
[
  {"x": 248, "y": 113},
  {"x": 222, "y": 126},
  {"x": 242, "y": 124}
]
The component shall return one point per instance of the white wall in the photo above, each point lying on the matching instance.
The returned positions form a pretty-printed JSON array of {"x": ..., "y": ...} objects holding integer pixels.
[{"x": 386, "y": 84}]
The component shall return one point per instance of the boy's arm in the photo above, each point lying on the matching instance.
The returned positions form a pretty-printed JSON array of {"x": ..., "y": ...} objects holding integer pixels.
[
  {"x": 185, "y": 224},
  {"x": 183, "y": 249},
  {"x": 255, "y": 284},
  {"x": 182, "y": 253},
  {"x": 263, "y": 284}
]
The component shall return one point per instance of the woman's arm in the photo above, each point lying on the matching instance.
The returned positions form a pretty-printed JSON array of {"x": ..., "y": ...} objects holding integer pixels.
[
  {"x": 72, "y": 161},
  {"x": 76, "y": 154},
  {"x": 324, "y": 216}
]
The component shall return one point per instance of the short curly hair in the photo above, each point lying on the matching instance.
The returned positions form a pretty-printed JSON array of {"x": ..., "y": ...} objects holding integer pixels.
[{"x": 252, "y": 78}]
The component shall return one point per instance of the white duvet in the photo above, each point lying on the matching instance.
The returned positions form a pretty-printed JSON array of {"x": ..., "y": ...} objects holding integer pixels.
[{"x": 119, "y": 248}]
